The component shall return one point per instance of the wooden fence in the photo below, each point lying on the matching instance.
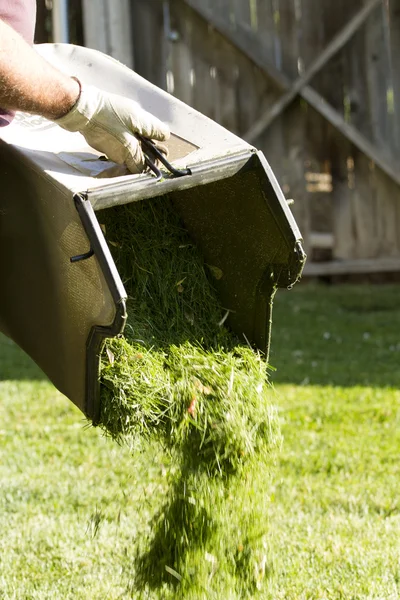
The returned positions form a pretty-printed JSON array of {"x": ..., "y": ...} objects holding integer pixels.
[
  {"x": 315, "y": 84},
  {"x": 43, "y": 31}
]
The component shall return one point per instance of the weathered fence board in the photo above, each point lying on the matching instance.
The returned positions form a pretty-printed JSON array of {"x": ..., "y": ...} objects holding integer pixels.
[
  {"x": 107, "y": 25},
  {"x": 151, "y": 31},
  {"x": 44, "y": 25},
  {"x": 293, "y": 155},
  {"x": 356, "y": 111},
  {"x": 379, "y": 78},
  {"x": 266, "y": 27},
  {"x": 394, "y": 41}
]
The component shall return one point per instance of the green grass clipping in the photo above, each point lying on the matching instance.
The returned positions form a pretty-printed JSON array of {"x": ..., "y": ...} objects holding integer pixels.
[{"x": 181, "y": 379}]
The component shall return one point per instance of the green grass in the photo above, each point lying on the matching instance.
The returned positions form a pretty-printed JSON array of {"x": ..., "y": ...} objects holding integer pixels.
[{"x": 75, "y": 507}]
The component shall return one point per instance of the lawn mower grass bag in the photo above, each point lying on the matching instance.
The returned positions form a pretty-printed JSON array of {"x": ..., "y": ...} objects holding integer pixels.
[{"x": 61, "y": 291}]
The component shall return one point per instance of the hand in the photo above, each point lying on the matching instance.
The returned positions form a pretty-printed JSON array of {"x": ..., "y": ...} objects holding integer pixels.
[{"x": 109, "y": 122}]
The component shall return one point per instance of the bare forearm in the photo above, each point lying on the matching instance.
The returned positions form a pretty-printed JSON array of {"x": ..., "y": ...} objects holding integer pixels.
[
  {"x": 30, "y": 84},
  {"x": 108, "y": 122}
]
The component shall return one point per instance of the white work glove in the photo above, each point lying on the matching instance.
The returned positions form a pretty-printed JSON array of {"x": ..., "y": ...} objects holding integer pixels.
[{"x": 108, "y": 123}]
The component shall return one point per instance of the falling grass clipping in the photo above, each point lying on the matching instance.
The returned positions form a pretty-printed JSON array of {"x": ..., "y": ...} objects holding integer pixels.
[{"x": 181, "y": 379}]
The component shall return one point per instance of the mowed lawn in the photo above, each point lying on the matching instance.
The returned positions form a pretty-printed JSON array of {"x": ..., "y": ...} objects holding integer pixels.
[{"x": 73, "y": 505}]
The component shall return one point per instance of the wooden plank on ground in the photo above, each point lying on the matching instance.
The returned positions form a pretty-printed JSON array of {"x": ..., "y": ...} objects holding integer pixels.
[{"x": 348, "y": 267}]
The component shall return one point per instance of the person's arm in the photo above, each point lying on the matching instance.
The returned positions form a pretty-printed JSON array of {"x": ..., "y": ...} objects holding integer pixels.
[
  {"x": 108, "y": 122},
  {"x": 29, "y": 83}
]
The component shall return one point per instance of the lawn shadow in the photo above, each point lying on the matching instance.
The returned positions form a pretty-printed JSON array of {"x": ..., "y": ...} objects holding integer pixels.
[{"x": 15, "y": 364}]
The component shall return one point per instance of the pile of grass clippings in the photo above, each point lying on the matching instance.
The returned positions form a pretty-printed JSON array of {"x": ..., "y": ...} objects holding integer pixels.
[{"x": 181, "y": 379}]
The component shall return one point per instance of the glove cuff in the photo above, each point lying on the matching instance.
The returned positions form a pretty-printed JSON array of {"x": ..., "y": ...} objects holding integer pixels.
[{"x": 82, "y": 111}]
